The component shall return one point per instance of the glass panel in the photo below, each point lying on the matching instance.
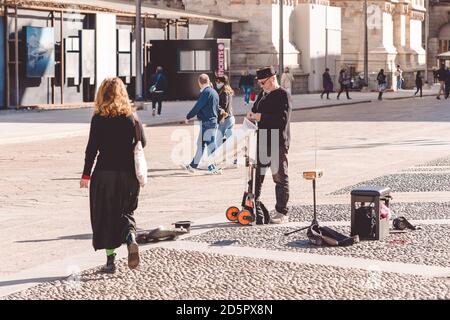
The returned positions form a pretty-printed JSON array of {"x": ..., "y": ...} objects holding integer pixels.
[
  {"x": 227, "y": 57},
  {"x": 187, "y": 62},
  {"x": 124, "y": 39},
  {"x": 203, "y": 60}
]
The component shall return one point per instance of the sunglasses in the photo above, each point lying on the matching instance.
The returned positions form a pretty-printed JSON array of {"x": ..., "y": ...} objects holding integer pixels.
[{"x": 263, "y": 82}]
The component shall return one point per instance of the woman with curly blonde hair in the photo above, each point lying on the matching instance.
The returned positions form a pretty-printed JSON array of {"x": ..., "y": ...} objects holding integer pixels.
[{"x": 114, "y": 188}]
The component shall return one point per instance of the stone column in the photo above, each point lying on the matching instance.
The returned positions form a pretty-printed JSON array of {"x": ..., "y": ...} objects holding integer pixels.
[
  {"x": 400, "y": 32},
  {"x": 409, "y": 54},
  {"x": 433, "y": 48}
]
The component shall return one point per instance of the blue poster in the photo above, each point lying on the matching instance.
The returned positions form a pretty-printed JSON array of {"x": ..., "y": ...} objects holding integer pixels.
[{"x": 40, "y": 52}]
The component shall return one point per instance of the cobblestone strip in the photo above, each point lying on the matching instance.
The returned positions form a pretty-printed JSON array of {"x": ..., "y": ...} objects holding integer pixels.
[{"x": 180, "y": 274}]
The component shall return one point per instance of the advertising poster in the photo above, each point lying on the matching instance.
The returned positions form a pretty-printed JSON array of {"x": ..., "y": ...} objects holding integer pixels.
[{"x": 40, "y": 46}]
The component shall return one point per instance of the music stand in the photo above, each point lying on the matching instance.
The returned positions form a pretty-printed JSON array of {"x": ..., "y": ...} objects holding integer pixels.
[{"x": 313, "y": 176}]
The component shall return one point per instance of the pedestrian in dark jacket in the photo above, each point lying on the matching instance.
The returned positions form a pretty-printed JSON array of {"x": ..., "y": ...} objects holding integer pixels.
[
  {"x": 157, "y": 88},
  {"x": 114, "y": 188},
  {"x": 206, "y": 109},
  {"x": 382, "y": 84},
  {"x": 226, "y": 117},
  {"x": 442, "y": 77},
  {"x": 327, "y": 84},
  {"x": 447, "y": 83},
  {"x": 345, "y": 82},
  {"x": 419, "y": 84},
  {"x": 246, "y": 83},
  {"x": 272, "y": 110}
]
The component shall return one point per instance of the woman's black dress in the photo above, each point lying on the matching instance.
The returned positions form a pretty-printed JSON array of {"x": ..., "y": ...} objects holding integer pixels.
[{"x": 114, "y": 188}]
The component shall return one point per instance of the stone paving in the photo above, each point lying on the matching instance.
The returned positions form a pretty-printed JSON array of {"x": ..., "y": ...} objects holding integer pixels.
[
  {"x": 178, "y": 274},
  {"x": 427, "y": 246},
  {"x": 341, "y": 212},
  {"x": 427, "y": 169},
  {"x": 53, "y": 124},
  {"x": 406, "y": 182},
  {"x": 420, "y": 178},
  {"x": 441, "y": 162},
  {"x": 51, "y": 216}
]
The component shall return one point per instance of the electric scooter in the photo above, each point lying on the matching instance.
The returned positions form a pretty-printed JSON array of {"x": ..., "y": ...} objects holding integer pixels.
[{"x": 246, "y": 215}]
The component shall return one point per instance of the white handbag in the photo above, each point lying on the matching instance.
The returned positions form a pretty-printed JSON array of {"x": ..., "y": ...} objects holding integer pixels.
[{"x": 140, "y": 163}]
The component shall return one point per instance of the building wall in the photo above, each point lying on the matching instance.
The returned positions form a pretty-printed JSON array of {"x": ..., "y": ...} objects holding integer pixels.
[
  {"x": 2, "y": 64},
  {"x": 395, "y": 36},
  {"x": 33, "y": 91},
  {"x": 319, "y": 51},
  {"x": 388, "y": 35},
  {"x": 416, "y": 41},
  {"x": 439, "y": 18},
  {"x": 255, "y": 40},
  {"x": 175, "y": 4},
  {"x": 106, "y": 64},
  {"x": 291, "y": 51}
]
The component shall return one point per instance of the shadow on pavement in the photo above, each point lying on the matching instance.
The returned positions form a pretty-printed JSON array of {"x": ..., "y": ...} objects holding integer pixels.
[
  {"x": 31, "y": 280},
  {"x": 87, "y": 236},
  {"x": 301, "y": 244},
  {"x": 223, "y": 243},
  {"x": 216, "y": 225}
]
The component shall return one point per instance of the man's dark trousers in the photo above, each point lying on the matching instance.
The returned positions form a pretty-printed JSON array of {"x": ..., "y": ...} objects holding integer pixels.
[
  {"x": 281, "y": 179},
  {"x": 157, "y": 97}
]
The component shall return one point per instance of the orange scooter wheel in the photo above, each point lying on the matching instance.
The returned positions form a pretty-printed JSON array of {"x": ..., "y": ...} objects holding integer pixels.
[
  {"x": 232, "y": 213},
  {"x": 245, "y": 217}
]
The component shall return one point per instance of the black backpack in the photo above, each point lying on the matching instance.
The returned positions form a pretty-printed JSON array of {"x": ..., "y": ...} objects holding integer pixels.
[{"x": 401, "y": 224}]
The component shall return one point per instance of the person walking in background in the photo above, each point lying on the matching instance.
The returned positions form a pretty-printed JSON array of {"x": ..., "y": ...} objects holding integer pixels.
[
  {"x": 435, "y": 75},
  {"x": 157, "y": 88},
  {"x": 226, "y": 118},
  {"x": 419, "y": 84},
  {"x": 286, "y": 80},
  {"x": 447, "y": 83},
  {"x": 345, "y": 82},
  {"x": 327, "y": 84},
  {"x": 398, "y": 77},
  {"x": 206, "y": 109},
  {"x": 114, "y": 188},
  {"x": 246, "y": 83},
  {"x": 382, "y": 84},
  {"x": 442, "y": 77}
]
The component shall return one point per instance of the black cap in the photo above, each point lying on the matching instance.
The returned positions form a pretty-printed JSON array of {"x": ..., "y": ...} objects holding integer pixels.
[{"x": 265, "y": 72}]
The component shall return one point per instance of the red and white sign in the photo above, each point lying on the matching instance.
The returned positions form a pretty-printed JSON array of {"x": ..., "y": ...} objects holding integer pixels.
[{"x": 221, "y": 59}]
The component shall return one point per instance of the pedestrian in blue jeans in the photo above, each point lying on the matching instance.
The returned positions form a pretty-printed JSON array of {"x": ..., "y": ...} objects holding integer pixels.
[
  {"x": 246, "y": 83},
  {"x": 399, "y": 77},
  {"x": 206, "y": 109},
  {"x": 226, "y": 117}
]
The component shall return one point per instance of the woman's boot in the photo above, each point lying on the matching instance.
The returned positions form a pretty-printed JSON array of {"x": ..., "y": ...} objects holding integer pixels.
[
  {"x": 110, "y": 266},
  {"x": 133, "y": 250}
]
